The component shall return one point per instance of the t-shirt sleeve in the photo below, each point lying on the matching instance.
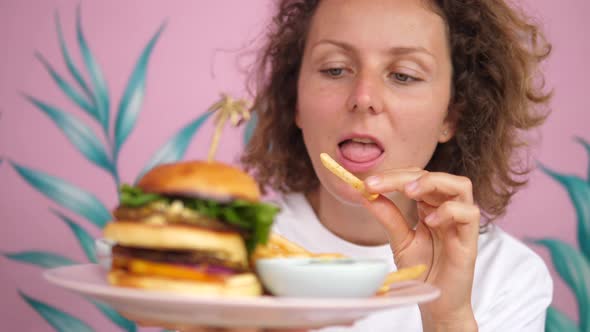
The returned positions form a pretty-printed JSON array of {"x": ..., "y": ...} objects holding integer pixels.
[{"x": 521, "y": 300}]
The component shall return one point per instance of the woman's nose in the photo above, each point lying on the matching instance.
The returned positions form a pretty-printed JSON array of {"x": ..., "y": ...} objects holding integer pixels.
[{"x": 366, "y": 95}]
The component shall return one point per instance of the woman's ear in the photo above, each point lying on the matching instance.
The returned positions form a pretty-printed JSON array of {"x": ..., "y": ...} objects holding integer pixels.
[{"x": 448, "y": 128}]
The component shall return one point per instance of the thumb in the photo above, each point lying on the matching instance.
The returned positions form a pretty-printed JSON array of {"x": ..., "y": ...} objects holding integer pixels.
[{"x": 389, "y": 215}]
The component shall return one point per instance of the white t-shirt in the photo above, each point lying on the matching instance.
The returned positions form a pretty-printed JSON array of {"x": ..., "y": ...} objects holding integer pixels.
[{"x": 511, "y": 291}]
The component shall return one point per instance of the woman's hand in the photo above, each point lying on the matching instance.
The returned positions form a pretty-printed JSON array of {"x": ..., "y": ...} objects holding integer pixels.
[
  {"x": 221, "y": 329},
  {"x": 179, "y": 327},
  {"x": 445, "y": 239}
]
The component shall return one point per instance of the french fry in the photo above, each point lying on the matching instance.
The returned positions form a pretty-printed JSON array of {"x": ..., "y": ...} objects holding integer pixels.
[
  {"x": 408, "y": 273},
  {"x": 287, "y": 246},
  {"x": 264, "y": 252},
  {"x": 345, "y": 175},
  {"x": 279, "y": 247},
  {"x": 328, "y": 256}
]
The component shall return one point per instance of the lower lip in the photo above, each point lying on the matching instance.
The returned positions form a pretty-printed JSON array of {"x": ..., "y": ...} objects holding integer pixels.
[{"x": 356, "y": 167}]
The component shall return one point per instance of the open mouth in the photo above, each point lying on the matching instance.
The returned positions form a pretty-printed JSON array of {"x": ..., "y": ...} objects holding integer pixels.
[{"x": 359, "y": 154}]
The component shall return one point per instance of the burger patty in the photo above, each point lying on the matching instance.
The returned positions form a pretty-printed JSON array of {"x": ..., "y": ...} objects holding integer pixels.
[
  {"x": 181, "y": 257},
  {"x": 161, "y": 214}
]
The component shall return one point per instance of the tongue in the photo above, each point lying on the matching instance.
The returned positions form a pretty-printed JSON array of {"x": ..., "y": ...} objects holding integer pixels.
[{"x": 359, "y": 152}]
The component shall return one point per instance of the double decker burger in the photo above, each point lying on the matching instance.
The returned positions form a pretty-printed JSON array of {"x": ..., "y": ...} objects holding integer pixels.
[{"x": 189, "y": 227}]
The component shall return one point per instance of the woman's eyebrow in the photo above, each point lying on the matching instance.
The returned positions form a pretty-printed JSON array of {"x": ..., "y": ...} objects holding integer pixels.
[
  {"x": 340, "y": 44},
  {"x": 403, "y": 50},
  {"x": 396, "y": 50}
]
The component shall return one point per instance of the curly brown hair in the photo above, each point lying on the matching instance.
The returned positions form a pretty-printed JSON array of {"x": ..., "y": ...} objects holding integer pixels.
[{"x": 497, "y": 89}]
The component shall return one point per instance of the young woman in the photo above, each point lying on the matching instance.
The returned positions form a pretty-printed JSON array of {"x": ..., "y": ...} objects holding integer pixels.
[{"x": 426, "y": 101}]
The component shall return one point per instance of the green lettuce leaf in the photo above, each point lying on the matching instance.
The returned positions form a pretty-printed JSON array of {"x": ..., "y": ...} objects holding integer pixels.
[
  {"x": 255, "y": 218},
  {"x": 134, "y": 197}
]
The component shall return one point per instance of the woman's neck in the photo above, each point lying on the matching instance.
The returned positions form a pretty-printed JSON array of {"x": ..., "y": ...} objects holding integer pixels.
[{"x": 353, "y": 223}]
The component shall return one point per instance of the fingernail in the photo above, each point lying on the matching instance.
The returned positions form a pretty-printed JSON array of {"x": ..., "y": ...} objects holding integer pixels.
[
  {"x": 372, "y": 181},
  {"x": 412, "y": 187},
  {"x": 431, "y": 219}
]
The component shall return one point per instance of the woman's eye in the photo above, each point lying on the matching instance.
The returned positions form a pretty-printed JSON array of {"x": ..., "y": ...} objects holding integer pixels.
[
  {"x": 333, "y": 72},
  {"x": 403, "y": 77}
]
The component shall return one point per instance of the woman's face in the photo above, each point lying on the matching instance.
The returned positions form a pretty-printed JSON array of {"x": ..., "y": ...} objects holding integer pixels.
[{"x": 374, "y": 87}]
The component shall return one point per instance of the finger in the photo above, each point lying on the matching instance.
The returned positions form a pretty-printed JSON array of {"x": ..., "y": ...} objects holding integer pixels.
[
  {"x": 464, "y": 217},
  {"x": 218, "y": 329},
  {"x": 406, "y": 169},
  {"x": 393, "y": 180},
  {"x": 308, "y": 328},
  {"x": 198, "y": 329},
  {"x": 388, "y": 214},
  {"x": 436, "y": 188},
  {"x": 424, "y": 209}
]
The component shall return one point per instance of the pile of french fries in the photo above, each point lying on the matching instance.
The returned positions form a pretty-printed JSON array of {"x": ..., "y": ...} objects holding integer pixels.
[{"x": 279, "y": 247}]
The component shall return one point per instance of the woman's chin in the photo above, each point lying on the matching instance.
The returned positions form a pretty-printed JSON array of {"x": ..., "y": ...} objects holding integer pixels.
[{"x": 345, "y": 194}]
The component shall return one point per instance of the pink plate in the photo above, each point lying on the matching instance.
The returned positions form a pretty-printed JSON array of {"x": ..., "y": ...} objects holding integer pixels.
[{"x": 265, "y": 311}]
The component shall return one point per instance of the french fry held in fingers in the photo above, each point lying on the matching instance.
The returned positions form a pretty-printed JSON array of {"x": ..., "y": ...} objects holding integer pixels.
[
  {"x": 405, "y": 274},
  {"x": 345, "y": 175}
]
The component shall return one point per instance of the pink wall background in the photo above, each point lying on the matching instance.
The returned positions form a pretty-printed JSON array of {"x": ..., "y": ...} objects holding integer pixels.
[{"x": 185, "y": 75}]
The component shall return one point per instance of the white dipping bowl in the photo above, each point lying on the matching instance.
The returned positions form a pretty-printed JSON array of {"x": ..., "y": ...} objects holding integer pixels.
[
  {"x": 320, "y": 277},
  {"x": 103, "y": 248}
]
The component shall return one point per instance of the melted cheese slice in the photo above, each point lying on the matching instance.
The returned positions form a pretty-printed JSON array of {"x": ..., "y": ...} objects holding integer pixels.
[{"x": 153, "y": 269}]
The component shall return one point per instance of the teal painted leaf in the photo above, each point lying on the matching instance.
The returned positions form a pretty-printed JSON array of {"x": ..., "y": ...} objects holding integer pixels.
[
  {"x": 579, "y": 192},
  {"x": 66, "y": 87},
  {"x": 573, "y": 267},
  {"x": 130, "y": 104},
  {"x": 85, "y": 240},
  {"x": 78, "y": 133},
  {"x": 174, "y": 149},
  {"x": 39, "y": 258},
  {"x": 586, "y": 145},
  {"x": 114, "y": 316},
  {"x": 67, "y": 195},
  {"x": 60, "y": 320},
  {"x": 558, "y": 322},
  {"x": 101, "y": 94},
  {"x": 73, "y": 70},
  {"x": 250, "y": 126}
]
